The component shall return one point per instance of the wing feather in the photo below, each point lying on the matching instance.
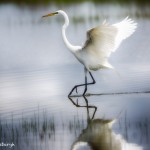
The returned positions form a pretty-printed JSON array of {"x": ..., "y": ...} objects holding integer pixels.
[
  {"x": 125, "y": 29},
  {"x": 105, "y": 39}
]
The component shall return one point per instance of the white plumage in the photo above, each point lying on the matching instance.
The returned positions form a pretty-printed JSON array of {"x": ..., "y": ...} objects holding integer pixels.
[
  {"x": 98, "y": 135},
  {"x": 125, "y": 29},
  {"x": 101, "y": 42}
]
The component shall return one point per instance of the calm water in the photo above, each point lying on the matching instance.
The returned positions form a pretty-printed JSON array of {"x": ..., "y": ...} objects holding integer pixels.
[{"x": 37, "y": 72}]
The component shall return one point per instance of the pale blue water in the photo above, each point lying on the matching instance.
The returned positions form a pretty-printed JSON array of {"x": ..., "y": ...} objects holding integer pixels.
[{"x": 37, "y": 72}]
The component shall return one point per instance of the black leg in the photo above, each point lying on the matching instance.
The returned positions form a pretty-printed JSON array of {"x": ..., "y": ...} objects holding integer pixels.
[
  {"x": 86, "y": 84},
  {"x": 86, "y": 106},
  {"x": 85, "y": 89}
]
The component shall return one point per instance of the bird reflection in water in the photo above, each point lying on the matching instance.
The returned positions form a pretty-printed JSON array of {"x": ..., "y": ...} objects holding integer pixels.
[{"x": 98, "y": 135}]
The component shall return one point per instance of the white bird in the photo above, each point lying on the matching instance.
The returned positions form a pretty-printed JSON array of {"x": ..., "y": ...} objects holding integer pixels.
[
  {"x": 101, "y": 42},
  {"x": 98, "y": 135}
]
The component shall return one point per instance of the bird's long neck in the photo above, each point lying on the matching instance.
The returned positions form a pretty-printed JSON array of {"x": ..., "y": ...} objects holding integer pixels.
[{"x": 68, "y": 44}]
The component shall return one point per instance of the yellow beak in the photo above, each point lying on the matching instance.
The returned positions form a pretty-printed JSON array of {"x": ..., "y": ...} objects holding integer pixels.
[{"x": 51, "y": 14}]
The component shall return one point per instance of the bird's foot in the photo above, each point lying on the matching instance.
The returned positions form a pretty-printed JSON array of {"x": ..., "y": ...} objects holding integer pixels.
[{"x": 84, "y": 94}]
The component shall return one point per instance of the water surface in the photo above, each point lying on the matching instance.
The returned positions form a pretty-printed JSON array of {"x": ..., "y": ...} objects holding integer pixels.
[{"x": 37, "y": 72}]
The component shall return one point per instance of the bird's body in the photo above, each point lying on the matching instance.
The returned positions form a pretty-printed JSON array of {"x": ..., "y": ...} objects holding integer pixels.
[
  {"x": 98, "y": 135},
  {"x": 101, "y": 42}
]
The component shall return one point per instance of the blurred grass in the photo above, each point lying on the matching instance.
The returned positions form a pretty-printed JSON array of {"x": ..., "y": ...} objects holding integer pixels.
[{"x": 44, "y": 2}]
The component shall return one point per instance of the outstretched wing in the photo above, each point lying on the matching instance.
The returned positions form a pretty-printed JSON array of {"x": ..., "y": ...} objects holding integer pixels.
[{"x": 105, "y": 39}]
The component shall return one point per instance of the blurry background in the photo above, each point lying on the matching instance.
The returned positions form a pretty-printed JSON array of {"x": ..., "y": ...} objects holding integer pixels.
[
  {"x": 64, "y": 2},
  {"x": 28, "y": 42},
  {"x": 32, "y": 46}
]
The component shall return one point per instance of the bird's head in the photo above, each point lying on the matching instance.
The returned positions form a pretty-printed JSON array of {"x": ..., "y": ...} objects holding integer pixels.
[
  {"x": 54, "y": 13},
  {"x": 59, "y": 12},
  {"x": 50, "y": 14}
]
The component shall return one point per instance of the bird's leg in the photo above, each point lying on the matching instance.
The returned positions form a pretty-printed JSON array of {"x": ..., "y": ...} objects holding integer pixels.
[
  {"x": 86, "y": 84},
  {"x": 85, "y": 70},
  {"x": 93, "y": 80},
  {"x": 76, "y": 86},
  {"x": 76, "y": 90}
]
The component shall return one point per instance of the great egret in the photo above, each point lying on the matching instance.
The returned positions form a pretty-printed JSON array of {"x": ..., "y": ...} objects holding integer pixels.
[
  {"x": 101, "y": 42},
  {"x": 98, "y": 133}
]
